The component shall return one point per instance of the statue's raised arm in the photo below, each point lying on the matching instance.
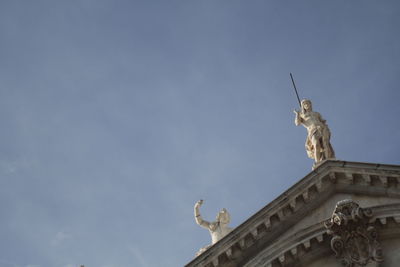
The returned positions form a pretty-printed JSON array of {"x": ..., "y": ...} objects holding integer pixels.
[
  {"x": 199, "y": 220},
  {"x": 297, "y": 119}
]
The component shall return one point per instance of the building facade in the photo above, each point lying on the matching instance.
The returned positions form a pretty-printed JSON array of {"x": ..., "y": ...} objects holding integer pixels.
[{"x": 341, "y": 214}]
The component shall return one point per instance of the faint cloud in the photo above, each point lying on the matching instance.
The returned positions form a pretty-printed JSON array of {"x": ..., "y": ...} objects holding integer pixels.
[
  {"x": 6, "y": 263},
  {"x": 13, "y": 166},
  {"x": 59, "y": 238},
  {"x": 139, "y": 256},
  {"x": 9, "y": 167}
]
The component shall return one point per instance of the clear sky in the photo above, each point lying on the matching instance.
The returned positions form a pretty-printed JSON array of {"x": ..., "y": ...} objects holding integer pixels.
[{"x": 118, "y": 115}]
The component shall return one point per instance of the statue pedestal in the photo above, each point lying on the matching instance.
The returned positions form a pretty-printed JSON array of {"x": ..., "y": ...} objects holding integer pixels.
[{"x": 317, "y": 164}]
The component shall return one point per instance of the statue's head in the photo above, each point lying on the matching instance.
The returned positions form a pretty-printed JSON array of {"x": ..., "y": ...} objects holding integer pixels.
[
  {"x": 223, "y": 216},
  {"x": 306, "y": 105}
]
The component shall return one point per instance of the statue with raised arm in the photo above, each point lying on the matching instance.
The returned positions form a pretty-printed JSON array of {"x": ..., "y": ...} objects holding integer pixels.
[
  {"x": 218, "y": 229},
  {"x": 318, "y": 144}
]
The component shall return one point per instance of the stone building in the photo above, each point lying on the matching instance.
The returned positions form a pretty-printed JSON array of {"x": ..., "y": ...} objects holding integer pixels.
[{"x": 341, "y": 214}]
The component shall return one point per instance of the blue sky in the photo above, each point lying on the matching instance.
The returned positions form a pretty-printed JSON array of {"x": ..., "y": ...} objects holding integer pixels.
[{"x": 117, "y": 116}]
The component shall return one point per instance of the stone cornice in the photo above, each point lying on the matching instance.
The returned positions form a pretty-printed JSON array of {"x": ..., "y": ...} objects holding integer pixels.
[
  {"x": 262, "y": 229},
  {"x": 387, "y": 218}
]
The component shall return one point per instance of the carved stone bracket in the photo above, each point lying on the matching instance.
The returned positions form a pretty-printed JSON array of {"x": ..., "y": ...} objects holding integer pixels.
[{"x": 355, "y": 240}]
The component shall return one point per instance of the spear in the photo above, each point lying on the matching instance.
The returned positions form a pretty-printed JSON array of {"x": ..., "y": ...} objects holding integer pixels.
[{"x": 294, "y": 85}]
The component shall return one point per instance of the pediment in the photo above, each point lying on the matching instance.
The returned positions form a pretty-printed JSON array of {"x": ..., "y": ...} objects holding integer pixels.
[{"x": 295, "y": 219}]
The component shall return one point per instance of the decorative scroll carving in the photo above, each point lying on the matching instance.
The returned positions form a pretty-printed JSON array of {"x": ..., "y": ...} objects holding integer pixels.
[{"x": 354, "y": 240}]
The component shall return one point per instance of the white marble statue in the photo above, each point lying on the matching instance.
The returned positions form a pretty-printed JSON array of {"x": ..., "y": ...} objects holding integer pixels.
[
  {"x": 318, "y": 144},
  {"x": 218, "y": 229}
]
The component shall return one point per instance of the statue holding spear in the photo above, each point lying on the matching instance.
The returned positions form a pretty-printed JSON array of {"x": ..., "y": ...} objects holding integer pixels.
[{"x": 318, "y": 144}]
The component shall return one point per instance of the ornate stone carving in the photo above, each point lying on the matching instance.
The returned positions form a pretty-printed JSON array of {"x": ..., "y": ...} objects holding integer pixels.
[
  {"x": 355, "y": 240},
  {"x": 318, "y": 144},
  {"x": 218, "y": 229}
]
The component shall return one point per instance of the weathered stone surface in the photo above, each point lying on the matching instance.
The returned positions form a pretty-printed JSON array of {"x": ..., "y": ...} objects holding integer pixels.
[{"x": 354, "y": 238}]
